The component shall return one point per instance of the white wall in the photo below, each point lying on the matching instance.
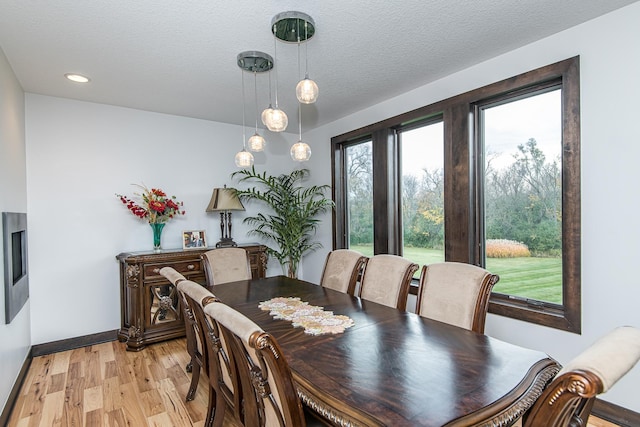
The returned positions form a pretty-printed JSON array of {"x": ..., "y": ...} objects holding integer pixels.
[
  {"x": 15, "y": 338},
  {"x": 78, "y": 156},
  {"x": 610, "y": 68}
]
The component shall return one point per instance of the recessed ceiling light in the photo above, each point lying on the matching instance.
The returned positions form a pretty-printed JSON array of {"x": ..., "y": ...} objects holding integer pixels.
[{"x": 78, "y": 78}]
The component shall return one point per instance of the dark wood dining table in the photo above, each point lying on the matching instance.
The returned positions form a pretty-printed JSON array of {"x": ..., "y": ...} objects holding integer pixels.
[{"x": 395, "y": 368}]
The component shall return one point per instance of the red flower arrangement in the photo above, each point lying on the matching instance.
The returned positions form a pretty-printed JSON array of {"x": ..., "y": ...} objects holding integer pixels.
[{"x": 156, "y": 206}]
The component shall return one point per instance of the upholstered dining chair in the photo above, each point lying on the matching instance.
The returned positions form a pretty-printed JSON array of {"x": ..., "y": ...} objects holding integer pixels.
[
  {"x": 568, "y": 400},
  {"x": 223, "y": 265},
  {"x": 342, "y": 269},
  {"x": 208, "y": 351},
  {"x": 455, "y": 293},
  {"x": 386, "y": 280},
  {"x": 190, "y": 293},
  {"x": 270, "y": 397},
  {"x": 225, "y": 392}
]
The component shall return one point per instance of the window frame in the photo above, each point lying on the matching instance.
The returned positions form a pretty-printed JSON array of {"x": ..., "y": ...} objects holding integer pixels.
[
  {"x": 568, "y": 315},
  {"x": 406, "y": 127},
  {"x": 461, "y": 159},
  {"x": 343, "y": 201}
]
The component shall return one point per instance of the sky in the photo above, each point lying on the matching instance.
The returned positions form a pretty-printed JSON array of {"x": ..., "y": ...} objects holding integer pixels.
[
  {"x": 506, "y": 127},
  {"x": 509, "y": 125}
]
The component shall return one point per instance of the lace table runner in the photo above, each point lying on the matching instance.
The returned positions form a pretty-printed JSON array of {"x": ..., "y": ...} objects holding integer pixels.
[{"x": 315, "y": 320}]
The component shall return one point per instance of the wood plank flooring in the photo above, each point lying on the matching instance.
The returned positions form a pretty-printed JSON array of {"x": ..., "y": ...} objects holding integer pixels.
[{"x": 105, "y": 385}]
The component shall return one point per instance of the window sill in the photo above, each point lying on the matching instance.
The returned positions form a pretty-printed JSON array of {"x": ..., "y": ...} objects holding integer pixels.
[{"x": 541, "y": 315}]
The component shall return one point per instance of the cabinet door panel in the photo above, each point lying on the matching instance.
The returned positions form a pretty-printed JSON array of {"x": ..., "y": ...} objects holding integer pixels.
[{"x": 162, "y": 306}]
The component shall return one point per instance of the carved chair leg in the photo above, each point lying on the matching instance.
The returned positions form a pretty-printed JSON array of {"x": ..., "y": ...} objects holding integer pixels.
[
  {"x": 195, "y": 377},
  {"x": 220, "y": 408},
  {"x": 189, "y": 366},
  {"x": 211, "y": 409}
]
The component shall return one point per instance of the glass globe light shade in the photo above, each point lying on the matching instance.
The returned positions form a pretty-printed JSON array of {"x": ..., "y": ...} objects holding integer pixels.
[
  {"x": 277, "y": 120},
  {"x": 307, "y": 91},
  {"x": 300, "y": 151},
  {"x": 244, "y": 159},
  {"x": 256, "y": 142}
]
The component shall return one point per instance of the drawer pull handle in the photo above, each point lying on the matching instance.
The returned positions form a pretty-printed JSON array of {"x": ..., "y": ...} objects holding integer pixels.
[
  {"x": 156, "y": 270},
  {"x": 191, "y": 267}
]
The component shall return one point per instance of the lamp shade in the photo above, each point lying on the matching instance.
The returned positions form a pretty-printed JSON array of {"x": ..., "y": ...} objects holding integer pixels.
[
  {"x": 224, "y": 199},
  {"x": 300, "y": 151},
  {"x": 256, "y": 142},
  {"x": 244, "y": 159},
  {"x": 276, "y": 120},
  {"x": 307, "y": 91}
]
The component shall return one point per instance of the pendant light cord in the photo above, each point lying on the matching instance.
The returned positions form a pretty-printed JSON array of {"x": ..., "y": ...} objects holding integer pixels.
[
  {"x": 299, "y": 109},
  {"x": 298, "y": 34},
  {"x": 275, "y": 62},
  {"x": 300, "y": 120},
  {"x": 270, "y": 84},
  {"x": 244, "y": 147},
  {"x": 255, "y": 86},
  {"x": 306, "y": 52}
]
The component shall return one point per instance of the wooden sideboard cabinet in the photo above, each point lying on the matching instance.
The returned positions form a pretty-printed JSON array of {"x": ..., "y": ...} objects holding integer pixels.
[{"x": 149, "y": 304}]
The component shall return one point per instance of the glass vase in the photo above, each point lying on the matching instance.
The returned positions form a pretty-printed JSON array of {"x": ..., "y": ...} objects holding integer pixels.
[{"x": 157, "y": 235}]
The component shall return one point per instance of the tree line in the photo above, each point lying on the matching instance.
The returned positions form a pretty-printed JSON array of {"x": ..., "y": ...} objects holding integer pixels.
[{"x": 523, "y": 201}]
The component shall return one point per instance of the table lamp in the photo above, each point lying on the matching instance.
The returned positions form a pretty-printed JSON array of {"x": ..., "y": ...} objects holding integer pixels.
[{"x": 224, "y": 200}]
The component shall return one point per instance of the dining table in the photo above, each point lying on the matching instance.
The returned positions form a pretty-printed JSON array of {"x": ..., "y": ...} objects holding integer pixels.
[{"x": 392, "y": 367}]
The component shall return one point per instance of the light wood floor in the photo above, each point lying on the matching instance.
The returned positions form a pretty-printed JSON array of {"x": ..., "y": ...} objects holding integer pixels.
[{"x": 105, "y": 385}]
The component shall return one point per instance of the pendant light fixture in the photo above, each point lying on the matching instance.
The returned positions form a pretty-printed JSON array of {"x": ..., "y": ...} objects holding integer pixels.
[
  {"x": 256, "y": 142},
  {"x": 300, "y": 151},
  {"x": 256, "y": 62},
  {"x": 297, "y": 27},
  {"x": 244, "y": 159},
  {"x": 267, "y": 112},
  {"x": 306, "y": 89},
  {"x": 275, "y": 119}
]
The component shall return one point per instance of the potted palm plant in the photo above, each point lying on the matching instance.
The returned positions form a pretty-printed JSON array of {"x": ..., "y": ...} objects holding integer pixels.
[{"x": 292, "y": 223}]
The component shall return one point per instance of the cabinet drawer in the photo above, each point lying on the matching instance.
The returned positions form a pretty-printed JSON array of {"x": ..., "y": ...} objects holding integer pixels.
[{"x": 186, "y": 268}]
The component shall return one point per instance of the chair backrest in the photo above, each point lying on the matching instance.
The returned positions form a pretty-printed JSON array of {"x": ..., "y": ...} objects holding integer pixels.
[
  {"x": 203, "y": 337},
  {"x": 342, "y": 270},
  {"x": 264, "y": 372},
  {"x": 386, "y": 280},
  {"x": 570, "y": 396},
  {"x": 225, "y": 265},
  {"x": 223, "y": 374},
  {"x": 191, "y": 294},
  {"x": 455, "y": 293},
  {"x": 195, "y": 341}
]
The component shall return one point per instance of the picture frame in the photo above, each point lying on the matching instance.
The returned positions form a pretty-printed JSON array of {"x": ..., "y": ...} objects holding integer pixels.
[{"x": 194, "y": 239}]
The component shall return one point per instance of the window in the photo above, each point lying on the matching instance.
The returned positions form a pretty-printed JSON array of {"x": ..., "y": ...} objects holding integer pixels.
[
  {"x": 476, "y": 189},
  {"x": 388, "y": 202},
  {"x": 422, "y": 205},
  {"x": 522, "y": 195},
  {"x": 359, "y": 197}
]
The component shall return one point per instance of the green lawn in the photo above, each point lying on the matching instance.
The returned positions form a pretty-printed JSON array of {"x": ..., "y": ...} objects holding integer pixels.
[{"x": 535, "y": 278}]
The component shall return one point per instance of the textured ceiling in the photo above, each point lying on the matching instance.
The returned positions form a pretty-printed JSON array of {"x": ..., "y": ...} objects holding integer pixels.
[{"x": 179, "y": 56}]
